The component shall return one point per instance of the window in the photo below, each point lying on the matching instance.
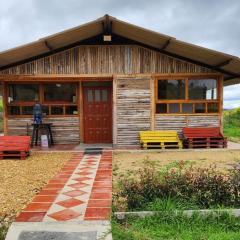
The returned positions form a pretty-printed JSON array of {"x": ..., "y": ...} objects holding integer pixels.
[
  {"x": 202, "y": 89},
  {"x": 60, "y": 93},
  {"x": 56, "y": 99},
  {"x": 187, "y": 95},
  {"x": 171, "y": 89},
  {"x": 23, "y": 93}
]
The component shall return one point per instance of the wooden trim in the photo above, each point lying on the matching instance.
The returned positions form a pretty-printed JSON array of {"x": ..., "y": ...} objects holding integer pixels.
[
  {"x": 5, "y": 115},
  {"x": 186, "y": 77},
  {"x": 220, "y": 104},
  {"x": 114, "y": 89},
  {"x": 81, "y": 115},
  {"x": 153, "y": 105},
  {"x": 54, "y": 77},
  {"x": 187, "y": 114}
]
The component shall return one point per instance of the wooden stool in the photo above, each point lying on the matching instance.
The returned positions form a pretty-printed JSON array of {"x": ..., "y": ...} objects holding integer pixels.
[{"x": 36, "y": 128}]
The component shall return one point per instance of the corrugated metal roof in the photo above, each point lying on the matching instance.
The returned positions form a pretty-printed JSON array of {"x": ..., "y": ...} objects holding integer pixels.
[{"x": 222, "y": 62}]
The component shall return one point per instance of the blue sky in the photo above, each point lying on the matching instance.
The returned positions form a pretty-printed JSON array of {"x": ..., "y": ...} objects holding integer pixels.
[{"x": 213, "y": 24}]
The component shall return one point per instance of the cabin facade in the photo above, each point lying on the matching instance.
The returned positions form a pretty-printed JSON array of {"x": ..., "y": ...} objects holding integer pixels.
[{"x": 105, "y": 81}]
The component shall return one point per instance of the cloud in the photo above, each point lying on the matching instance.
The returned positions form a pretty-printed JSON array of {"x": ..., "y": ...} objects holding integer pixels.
[{"x": 214, "y": 24}]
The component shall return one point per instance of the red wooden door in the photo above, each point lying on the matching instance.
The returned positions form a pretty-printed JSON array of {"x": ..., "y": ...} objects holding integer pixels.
[{"x": 97, "y": 110}]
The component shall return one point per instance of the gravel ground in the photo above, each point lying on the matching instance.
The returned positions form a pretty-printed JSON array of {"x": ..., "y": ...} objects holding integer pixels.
[{"x": 22, "y": 179}]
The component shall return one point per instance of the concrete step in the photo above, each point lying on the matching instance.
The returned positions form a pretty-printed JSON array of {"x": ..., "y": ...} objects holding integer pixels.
[{"x": 82, "y": 230}]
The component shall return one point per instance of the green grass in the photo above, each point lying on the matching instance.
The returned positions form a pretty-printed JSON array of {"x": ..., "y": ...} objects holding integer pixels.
[
  {"x": 167, "y": 226},
  {"x": 232, "y": 124}
]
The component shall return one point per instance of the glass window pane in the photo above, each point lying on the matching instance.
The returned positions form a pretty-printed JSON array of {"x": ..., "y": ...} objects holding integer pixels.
[
  {"x": 187, "y": 108},
  {"x": 23, "y": 92},
  {"x": 57, "y": 110},
  {"x": 14, "y": 110},
  {"x": 174, "y": 108},
  {"x": 71, "y": 110},
  {"x": 27, "y": 110},
  {"x": 212, "y": 107},
  {"x": 90, "y": 95},
  {"x": 104, "y": 95},
  {"x": 60, "y": 93},
  {"x": 200, "y": 108},
  {"x": 205, "y": 89},
  {"x": 45, "y": 110},
  {"x": 161, "y": 108},
  {"x": 171, "y": 89},
  {"x": 97, "y": 96}
]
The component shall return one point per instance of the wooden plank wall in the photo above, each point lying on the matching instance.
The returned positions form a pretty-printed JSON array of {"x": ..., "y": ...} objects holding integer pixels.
[
  {"x": 113, "y": 59},
  {"x": 133, "y": 106},
  {"x": 178, "y": 122},
  {"x": 65, "y": 129}
]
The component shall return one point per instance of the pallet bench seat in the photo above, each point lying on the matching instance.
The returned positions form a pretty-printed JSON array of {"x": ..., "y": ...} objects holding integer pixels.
[
  {"x": 14, "y": 146},
  {"x": 203, "y": 138},
  {"x": 159, "y": 139}
]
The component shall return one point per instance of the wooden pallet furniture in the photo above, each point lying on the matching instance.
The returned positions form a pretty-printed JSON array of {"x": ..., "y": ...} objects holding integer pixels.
[
  {"x": 159, "y": 139},
  {"x": 210, "y": 137},
  {"x": 14, "y": 146}
]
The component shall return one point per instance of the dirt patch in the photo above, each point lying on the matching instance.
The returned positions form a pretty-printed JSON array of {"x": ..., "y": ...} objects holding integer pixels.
[
  {"x": 127, "y": 162},
  {"x": 22, "y": 179}
]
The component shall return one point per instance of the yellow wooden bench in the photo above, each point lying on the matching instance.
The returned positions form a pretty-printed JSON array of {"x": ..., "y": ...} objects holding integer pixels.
[{"x": 160, "y": 139}]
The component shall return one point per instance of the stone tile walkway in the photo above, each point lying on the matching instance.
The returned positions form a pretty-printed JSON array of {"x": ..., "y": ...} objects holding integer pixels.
[{"x": 81, "y": 191}]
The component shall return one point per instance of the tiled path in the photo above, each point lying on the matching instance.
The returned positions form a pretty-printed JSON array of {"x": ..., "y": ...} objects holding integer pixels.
[{"x": 81, "y": 191}]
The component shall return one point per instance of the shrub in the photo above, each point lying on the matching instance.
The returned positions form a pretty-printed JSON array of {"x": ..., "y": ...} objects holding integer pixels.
[{"x": 205, "y": 188}]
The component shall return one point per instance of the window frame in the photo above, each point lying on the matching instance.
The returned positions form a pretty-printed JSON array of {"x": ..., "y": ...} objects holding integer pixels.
[
  {"x": 48, "y": 104},
  {"x": 188, "y": 77}
]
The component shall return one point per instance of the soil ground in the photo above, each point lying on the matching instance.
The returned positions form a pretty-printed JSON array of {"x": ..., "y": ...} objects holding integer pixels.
[{"x": 128, "y": 162}]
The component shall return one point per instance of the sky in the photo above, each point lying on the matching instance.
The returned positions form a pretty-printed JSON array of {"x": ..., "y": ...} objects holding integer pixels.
[{"x": 213, "y": 24}]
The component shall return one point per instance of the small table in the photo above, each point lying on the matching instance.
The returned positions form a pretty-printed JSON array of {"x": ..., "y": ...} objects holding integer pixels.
[{"x": 36, "y": 128}]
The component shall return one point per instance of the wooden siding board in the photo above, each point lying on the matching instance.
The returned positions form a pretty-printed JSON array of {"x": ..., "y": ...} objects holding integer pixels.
[
  {"x": 133, "y": 104},
  {"x": 112, "y": 59},
  {"x": 65, "y": 129},
  {"x": 178, "y": 122}
]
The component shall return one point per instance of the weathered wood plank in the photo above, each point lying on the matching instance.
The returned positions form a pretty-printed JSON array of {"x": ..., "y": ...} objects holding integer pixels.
[
  {"x": 133, "y": 107},
  {"x": 65, "y": 129},
  {"x": 100, "y": 59}
]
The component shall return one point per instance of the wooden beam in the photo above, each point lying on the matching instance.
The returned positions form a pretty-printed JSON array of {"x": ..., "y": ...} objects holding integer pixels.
[
  {"x": 55, "y": 77},
  {"x": 153, "y": 103},
  {"x": 5, "y": 115},
  {"x": 81, "y": 113},
  {"x": 166, "y": 44},
  {"x": 114, "y": 110},
  {"x": 224, "y": 63},
  {"x": 47, "y": 45}
]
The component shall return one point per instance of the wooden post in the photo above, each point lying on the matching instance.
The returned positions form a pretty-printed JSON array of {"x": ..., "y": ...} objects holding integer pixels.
[
  {"x": 152, "y": 96},
  {"x": 114, "y": 110},
  {"x": 220, "y": 91},
  {"x": 80, "y": 107},
  {"x": 5, "y": 116}
]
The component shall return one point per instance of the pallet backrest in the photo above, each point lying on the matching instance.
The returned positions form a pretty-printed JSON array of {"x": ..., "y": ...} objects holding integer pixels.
[
  {"x": 15, "y": 140},
  {"x": 147, "y": 135},
  {"x": 202, "y": 132}
]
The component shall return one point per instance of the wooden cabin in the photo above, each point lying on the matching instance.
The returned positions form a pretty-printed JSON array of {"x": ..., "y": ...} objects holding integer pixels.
[{"x": 105, "y": 81}]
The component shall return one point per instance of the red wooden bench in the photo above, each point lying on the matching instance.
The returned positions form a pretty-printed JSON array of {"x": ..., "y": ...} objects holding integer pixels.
[
  {"x": 14, "y": 146},
  {"x": 210, "y": 137}
]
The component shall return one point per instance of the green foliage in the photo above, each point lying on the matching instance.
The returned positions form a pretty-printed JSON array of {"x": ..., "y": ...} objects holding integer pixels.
[
  {"x": 232, "y": 124},
  {"x": 3, "y": 232},
  {"x": 189, "y": 187},
  {"x": 168, "y": 226}
]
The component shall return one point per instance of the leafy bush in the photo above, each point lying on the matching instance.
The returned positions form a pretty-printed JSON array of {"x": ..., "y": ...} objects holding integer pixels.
[{"x": 205, "y": 188}]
